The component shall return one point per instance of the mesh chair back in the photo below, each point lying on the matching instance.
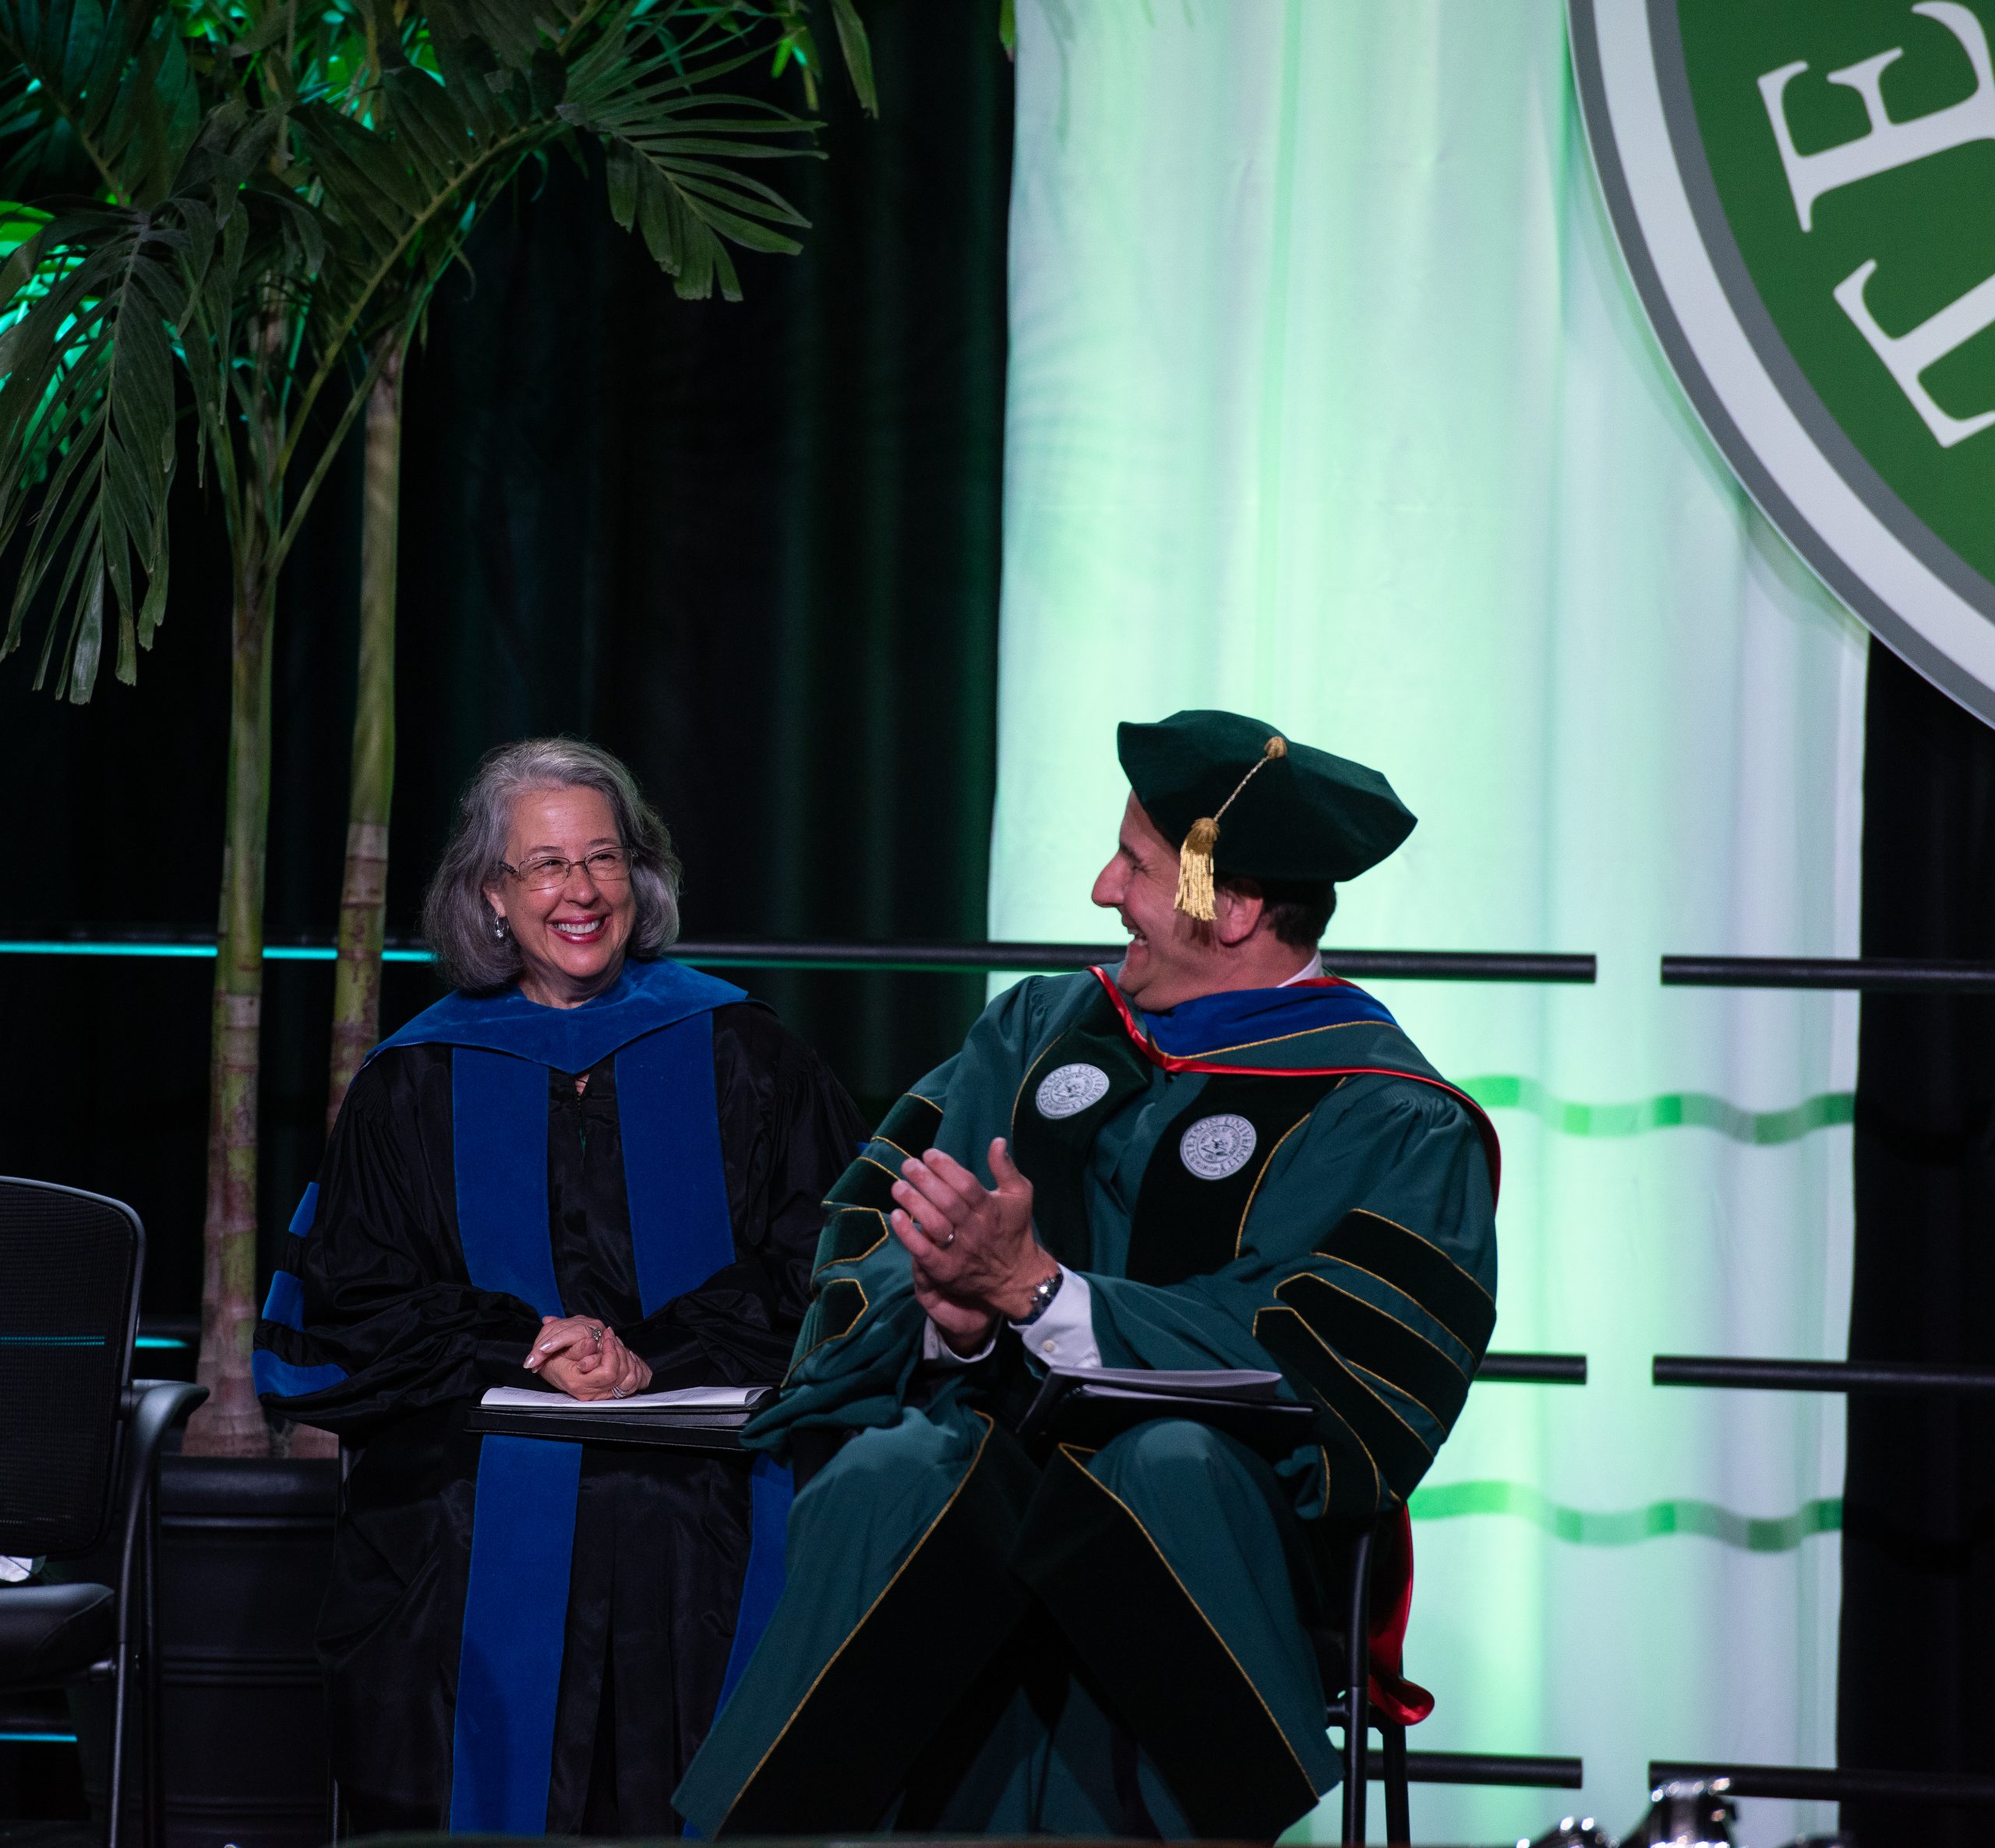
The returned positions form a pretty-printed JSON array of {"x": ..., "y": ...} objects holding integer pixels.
[{"x": 69, "y": 1268}]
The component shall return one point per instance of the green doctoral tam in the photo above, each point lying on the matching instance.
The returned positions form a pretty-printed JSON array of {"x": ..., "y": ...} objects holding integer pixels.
[{"x": 1243, "y": 802}]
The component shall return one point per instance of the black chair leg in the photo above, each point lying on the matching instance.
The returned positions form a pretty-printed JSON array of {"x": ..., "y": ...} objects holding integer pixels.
[
  {"x": 120, "y": 1704},
  {"x": 1357, "y": 1690},
  {"x": 1399, "y": 1818},
  {"x": 336, "y": 1815},
  {"x": 1355, "y": 1742},
  {"x": 149, "y": 1683}
]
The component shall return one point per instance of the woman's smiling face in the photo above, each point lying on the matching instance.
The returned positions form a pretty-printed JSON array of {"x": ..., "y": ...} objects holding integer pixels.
[{"x": 572, "y": 932}]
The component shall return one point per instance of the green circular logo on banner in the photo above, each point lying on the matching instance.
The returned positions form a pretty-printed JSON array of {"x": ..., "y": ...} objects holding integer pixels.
[{"x": 1802, "y": 189}]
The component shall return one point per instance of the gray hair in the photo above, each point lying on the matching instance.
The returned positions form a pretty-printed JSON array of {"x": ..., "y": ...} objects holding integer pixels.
[{"x": 458, "y": 918}]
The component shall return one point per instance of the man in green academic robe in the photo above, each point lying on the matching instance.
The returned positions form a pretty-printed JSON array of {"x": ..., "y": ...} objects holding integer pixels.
[{"x": 1212, "y": 1155}]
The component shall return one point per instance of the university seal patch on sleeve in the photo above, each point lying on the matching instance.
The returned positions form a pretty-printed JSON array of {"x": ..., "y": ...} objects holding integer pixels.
[
  {"x": 1070, "y": 1089},
  {"x": 1800, "y": 188},
  {"x": 1216, "y": 1146}
]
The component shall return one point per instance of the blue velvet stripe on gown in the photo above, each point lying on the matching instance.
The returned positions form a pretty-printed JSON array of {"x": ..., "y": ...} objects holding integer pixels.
[
  {"x": 523, "y": 1522},
  {"x": 285, "y": 1306}
]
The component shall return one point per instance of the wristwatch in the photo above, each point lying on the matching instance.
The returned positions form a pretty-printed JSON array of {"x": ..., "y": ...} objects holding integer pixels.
[{"x": 1043, "y": 1293}]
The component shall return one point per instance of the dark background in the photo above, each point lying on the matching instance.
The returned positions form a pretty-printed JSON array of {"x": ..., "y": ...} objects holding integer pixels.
[
  {"x": 1917, "y": 1665},
  {"x": 753, "y": 548}
]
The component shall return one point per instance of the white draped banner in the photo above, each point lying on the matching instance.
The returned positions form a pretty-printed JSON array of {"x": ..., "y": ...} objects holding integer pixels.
[{"x": 1330, "y": 402}]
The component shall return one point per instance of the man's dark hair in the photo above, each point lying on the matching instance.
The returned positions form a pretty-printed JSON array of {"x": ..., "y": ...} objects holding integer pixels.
[{"x": 1298, "y": 911}]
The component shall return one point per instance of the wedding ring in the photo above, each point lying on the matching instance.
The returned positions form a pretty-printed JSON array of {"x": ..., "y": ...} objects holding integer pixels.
[
  {"x": 620, "y": 1392},
  {"x": 598, "y": 1333}
]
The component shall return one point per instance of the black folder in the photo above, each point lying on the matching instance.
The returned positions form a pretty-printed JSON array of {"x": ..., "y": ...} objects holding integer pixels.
[
  {"x": 1087, "y": 1406},
  {"x": 670, "y": 1428}
]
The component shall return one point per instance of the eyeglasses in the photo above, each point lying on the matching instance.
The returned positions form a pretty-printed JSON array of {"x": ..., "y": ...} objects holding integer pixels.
[{"x": 606, "y": 866}]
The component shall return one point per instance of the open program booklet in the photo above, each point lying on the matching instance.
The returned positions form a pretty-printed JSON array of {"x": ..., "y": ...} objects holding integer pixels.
[
  {"x": 1091, "y": 1405},
  {"x": 686, "y": 1399},
  {"x": 1233, "y": 1384}
]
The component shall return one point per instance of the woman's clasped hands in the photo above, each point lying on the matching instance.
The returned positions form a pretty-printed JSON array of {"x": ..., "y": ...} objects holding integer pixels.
[{"x": 583, "y": 1358}]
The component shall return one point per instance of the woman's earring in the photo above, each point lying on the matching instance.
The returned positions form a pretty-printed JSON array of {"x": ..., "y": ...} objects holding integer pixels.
[{"x": 500, "y": 929}]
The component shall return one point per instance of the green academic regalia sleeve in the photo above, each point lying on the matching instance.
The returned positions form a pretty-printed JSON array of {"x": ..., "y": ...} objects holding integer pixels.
[
  {"x": 1366, "y": 1272},
  {"x": 862, "y": 1337}
]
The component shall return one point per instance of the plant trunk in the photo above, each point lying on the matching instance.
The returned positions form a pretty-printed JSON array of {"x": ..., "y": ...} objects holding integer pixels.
[
  {"x": 231, "y": 1423},
  {"x": 363, "y": 897},
  {"x": 364, "y": 892}
]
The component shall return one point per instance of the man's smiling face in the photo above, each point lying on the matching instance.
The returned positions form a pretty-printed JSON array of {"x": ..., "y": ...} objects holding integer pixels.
[{"x": 1170, "y": 955}]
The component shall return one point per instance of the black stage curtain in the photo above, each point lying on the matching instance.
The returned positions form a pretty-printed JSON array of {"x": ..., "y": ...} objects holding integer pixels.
[
  {"x": 753, "y": 548},
  {"x": 1918, "y": 1524}
]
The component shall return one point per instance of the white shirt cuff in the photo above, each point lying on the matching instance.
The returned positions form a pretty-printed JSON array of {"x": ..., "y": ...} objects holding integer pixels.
[
  {"x": 1064, "y": 1335},
  {"x": 934, "y": 1348}
]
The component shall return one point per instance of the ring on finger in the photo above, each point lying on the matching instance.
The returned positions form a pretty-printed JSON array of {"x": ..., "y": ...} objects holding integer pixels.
[
  {"x": 945, "y": 1243},
  {"x": 596, "y": 1331}
]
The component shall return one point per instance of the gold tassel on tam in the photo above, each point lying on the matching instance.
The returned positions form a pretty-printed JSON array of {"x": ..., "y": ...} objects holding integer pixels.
[
  {"x": 1195, "y": 856},
  {"x": 1194, "y": 869}
]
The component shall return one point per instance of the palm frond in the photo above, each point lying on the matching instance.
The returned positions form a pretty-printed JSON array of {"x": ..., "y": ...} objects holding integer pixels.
[
  {"x": 94, "y": 98},
  {"x": 856, "y": 49},
  {"x": 673, "y": 143},
  {"x": 88, "y": 406},
  {"x": 276, "y": 206},
  {"x": 799, "y": 42},
  {"x": 105, "y": 308}
]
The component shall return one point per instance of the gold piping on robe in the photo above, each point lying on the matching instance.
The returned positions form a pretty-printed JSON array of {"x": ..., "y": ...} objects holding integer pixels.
[
  {"x": 988, "y": 1427},
  {"x": 1070, "y": 1452}
]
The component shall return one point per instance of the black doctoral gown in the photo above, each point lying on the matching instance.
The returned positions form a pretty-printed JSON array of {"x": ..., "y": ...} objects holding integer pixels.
[{"x": 661, "y": 1538}]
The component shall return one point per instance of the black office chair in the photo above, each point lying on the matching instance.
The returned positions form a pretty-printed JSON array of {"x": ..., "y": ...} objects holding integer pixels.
[
  {"x": 79, "y": 1462},
  {"x": 1361, "y": 1671}
]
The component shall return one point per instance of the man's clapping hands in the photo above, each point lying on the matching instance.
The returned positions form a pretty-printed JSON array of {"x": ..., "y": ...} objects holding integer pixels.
[{"x": 976, "y": 1259}]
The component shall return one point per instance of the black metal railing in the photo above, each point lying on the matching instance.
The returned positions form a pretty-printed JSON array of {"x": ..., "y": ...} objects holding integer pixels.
[
  {"x": 1416, "y": 965},
  {"x": 1827, "y": 1783},
  {"x": 1869, "y": 975},
  {"x": 1534, "y": 1369},
  {"x": 909, "y": 957},
  {"x": 1819, "y": 1375},
  {"x": 1864, "y": 974},
  {"x": 1484, "y": 1768}
]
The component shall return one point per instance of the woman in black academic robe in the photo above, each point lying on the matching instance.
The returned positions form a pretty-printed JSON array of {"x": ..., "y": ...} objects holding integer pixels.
[{"x": 384, "y": 1327}]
